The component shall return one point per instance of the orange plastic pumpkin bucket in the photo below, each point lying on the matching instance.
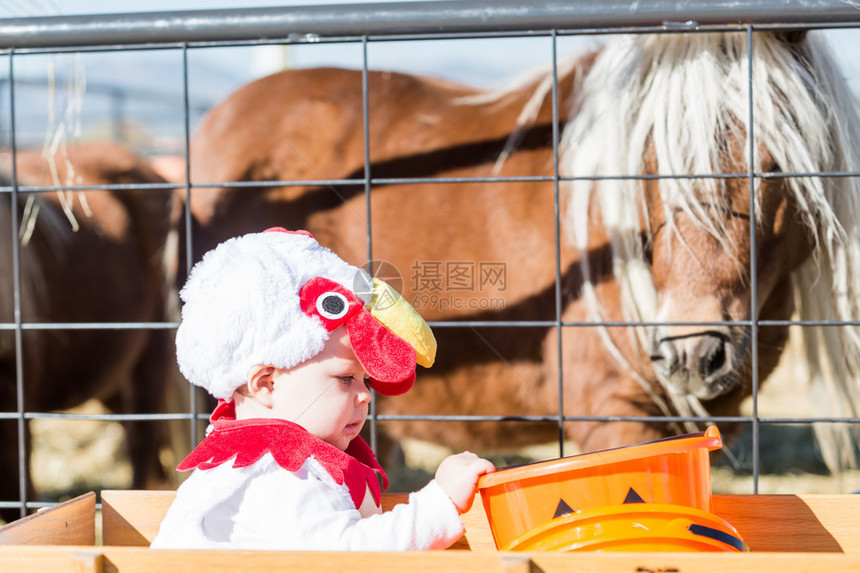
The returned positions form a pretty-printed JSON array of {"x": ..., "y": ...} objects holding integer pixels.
[
  {"x": 673, "y": 471},
  {"x": 633, "y": 527}
]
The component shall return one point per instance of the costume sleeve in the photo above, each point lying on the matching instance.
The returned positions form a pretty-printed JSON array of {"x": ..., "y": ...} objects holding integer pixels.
[
  {"x": 308, "y": 510},
  {"x": 428, "y": 520}
]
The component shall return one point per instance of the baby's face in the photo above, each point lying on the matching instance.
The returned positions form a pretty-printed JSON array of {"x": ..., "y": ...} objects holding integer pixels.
[{"x": 327, "y": 395}]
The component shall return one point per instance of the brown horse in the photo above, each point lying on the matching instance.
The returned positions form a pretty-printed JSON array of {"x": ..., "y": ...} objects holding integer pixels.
[
  {"x": 655, "y": 220},
  {"x": 111, "y": 269}
]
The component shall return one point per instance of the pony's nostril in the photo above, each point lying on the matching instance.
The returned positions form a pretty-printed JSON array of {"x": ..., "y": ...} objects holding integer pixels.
[
  {"x": 703, "y": 356},
  {"x": 714, "y": 360}
]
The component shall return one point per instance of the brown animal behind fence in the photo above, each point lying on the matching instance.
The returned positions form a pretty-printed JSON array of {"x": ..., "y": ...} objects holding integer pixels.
[
  {"x": 659, "y": 250},
  {"x": 112, "y": 269}
]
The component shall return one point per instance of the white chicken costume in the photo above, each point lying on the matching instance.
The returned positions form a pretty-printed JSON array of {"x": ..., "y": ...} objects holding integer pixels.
[{"x": 273, "y": 298}]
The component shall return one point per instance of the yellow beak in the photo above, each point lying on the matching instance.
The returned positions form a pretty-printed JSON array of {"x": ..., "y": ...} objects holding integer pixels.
[{"x": 391, "y": 309}]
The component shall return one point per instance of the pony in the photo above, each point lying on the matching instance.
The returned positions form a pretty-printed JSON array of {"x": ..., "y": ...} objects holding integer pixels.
[
  {"x": 594, "y": 310},
  {"x": 87, "y": 256}
]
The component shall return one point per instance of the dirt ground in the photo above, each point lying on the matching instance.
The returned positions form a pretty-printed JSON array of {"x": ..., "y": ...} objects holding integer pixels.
[{"x": 75, "y": 456}]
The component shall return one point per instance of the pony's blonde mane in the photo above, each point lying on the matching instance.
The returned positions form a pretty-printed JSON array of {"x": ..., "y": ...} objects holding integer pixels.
[{"x": 677, "y": 96}]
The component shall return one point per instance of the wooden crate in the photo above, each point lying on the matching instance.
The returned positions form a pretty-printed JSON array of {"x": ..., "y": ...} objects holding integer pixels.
[
  {"x": 72, "y": 522},
  {"x": 785, "y": 533}
]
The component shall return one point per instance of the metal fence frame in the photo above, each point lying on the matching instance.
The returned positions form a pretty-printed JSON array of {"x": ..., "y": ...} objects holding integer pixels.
[{"x": 366, "y": 23}]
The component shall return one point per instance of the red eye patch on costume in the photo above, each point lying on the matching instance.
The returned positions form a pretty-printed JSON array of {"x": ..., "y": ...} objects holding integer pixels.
[{"x": 388, "y": 359}]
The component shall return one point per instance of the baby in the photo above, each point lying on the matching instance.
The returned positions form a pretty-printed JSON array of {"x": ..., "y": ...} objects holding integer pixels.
[{"x": 290, "y": 339}]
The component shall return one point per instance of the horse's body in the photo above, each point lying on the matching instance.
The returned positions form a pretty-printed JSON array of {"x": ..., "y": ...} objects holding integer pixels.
[
  {"x": 112, "y": 269},
  {"x": 659, "y": 250}
]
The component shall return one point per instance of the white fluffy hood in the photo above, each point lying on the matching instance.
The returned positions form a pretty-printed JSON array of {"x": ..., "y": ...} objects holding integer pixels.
[{"x": 241, "y": 307}]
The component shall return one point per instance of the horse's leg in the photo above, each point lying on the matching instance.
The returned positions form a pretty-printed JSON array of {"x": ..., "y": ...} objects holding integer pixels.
[
  {"x": 9, "y": 465},
  {"x": 150, "y": 379},
  {"x": 9, "y": 482},
  {"x": 143, "y": 393}
]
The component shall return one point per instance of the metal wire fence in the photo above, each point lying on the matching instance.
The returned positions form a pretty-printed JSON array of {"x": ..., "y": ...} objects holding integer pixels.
[{"x": 363, "y": 26}]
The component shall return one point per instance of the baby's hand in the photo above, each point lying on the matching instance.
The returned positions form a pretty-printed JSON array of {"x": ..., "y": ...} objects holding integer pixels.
[{"x": 458, "y": 475}]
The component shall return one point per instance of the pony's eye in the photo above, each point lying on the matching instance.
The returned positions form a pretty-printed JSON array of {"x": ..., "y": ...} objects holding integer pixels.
[{"x": 332, "y": 305}]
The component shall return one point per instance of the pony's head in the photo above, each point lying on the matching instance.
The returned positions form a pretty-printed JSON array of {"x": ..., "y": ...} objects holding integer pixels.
[{"x": 676, "y": 109}]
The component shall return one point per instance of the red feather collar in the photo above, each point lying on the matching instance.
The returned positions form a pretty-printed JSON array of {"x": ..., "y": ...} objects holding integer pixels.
[{"x": 290, "y": 445}]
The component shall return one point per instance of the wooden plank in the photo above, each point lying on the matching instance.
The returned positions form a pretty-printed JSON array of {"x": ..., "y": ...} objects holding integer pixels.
[
  {"x": 33, "y": 559},
  {"x": 478, "y": 535},
  {"x": 699, "y": 562},
  {"x": 69, "y": 523},
  {"x": 318, "y": 562},
  {"x": 808, "y": 523},
  {"x": 518, "y": 563},
  {"x": 89, "y": 560},
  {"x": 140, "y": 560},
  {"x": 133, "y": 517}
]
